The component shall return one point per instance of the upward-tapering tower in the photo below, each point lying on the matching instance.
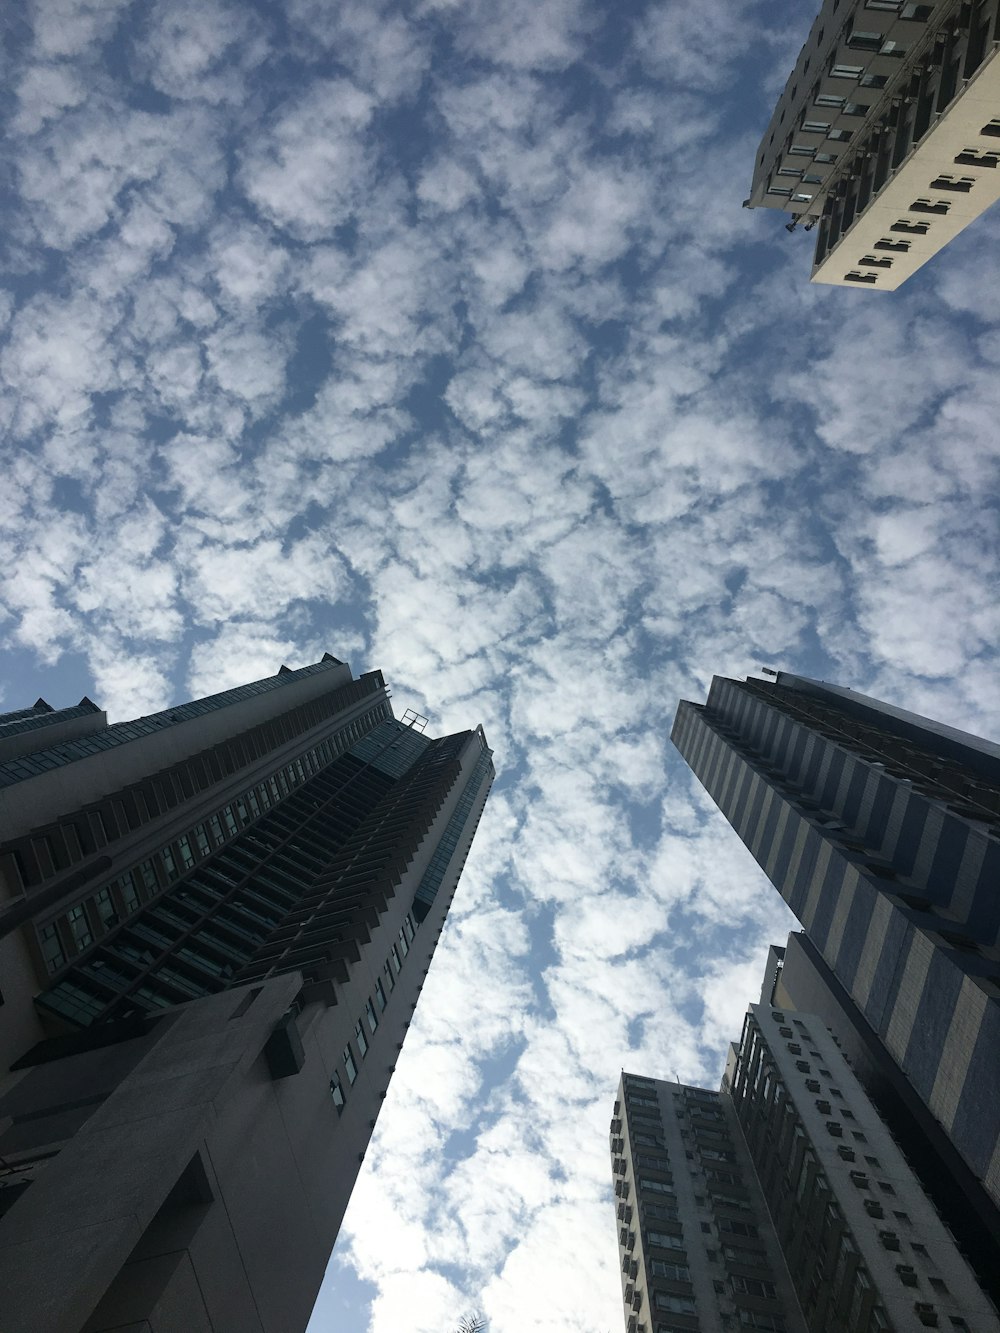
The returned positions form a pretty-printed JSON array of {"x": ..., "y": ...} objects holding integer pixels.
[
  {"x": 881, "y": 830},
  {"x": 215, "y": 923}
]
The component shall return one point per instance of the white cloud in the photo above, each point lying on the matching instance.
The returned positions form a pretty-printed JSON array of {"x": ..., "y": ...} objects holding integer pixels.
[{"x": 435, "y": 336}]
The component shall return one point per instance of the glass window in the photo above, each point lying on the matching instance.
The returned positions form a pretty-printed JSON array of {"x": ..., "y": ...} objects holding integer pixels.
[
  {"x": 51, "y": 948},
  {"x": 752, "y": 1286},
  {"x": 390, "y": 975},
  {"x": 408, "y": 924},
  {"x": 675, "y": 1272},
  {"x": 380, "y": 995},
  {"x": 678, "y": 1304},
  {"x": 201, "y": 838},
  {"x": 79, "y": 926},
  {"x": 215, "y": 828},
  {"x": 371, "y": 1016},
  {"x": 105, "y": 908},
  {"x": 184, "y": 847},
  {"x": 394, "y": 954},
  {"x": 403, "y": 943},
  {"x": 337, "y": 1093},
  {"x": 665, "y": 1240},
  {"x": 130, "y": 897},
  {"x": 169, "y": 864},
  {"x": 359, "y": 1032},
  {"x": 349, "y": 1065}
]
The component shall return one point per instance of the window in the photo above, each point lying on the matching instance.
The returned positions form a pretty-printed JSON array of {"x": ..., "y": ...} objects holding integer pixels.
[
  {"x": 853, "y": 72},
  {"x": 914, "y": 228},
  {"x": 939, "y": 1285},
  {"x": 409, "y": 927},
  {"x": 857, "y": 1136},
  {"x": 362, "y": 1040},
  {"x": 657, "y": 1186},
  {"x": 79, "y": 926},
  {"x": 337, "y": 1093},
  {"x": 815, "y": 126},
  {"x": 864, "y": 41},
  {"x": 861, "y": 1180},
  {"x": 829, "y": 99},
  {"x": 371, "y": 1016},
  {"x": 737, "y": 1228},
  {"x": 885, "y": 1187},
  {"x": 403, "y": 942},
  {"x": 51, "y": 948},
  {"x": 349, "y": 1065},
  {"x": 840, "y": 136},
  {"x": 939, "y": 206},
  {"x": 873, "y": 1161},
  {"x": 184, "y": 847},
  {"x": 169, "y": 864},
  {"x": 873, "y": 1208},
  {"x": 677, "y": 1304},
  {"x": 394, "y": 954},
  {"x": 846, "y": 1153},
  {"x": 675, "y": 1272},
  {"x": 907, "y": 1275},
  {"x": 380, "y": 995},
  {"x": 389, "y": 976},
  {"x": 960, "y": 184},
  {"x": 665, "y": 1240},
  {"x": 918, "y": 1248},
  {"x": 752, "y": 1286},
  {"x": 889, "y": 1239},
  {"x": 904, "y": 1217}
]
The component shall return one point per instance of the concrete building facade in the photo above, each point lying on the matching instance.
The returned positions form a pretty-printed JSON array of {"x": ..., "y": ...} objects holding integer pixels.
[
  {"x": 886, "y": 137},
  {"x": 695, "y": 1244},
  {"x": 797, "y": 980},
  {"x": 216, "y": 923},
  {"x": 865, "y": 1248},
  {"x": 881, "y": 831}
]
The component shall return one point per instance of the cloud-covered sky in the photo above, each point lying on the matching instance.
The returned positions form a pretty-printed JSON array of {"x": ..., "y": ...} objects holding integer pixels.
[{"x": 433, "y": 334}]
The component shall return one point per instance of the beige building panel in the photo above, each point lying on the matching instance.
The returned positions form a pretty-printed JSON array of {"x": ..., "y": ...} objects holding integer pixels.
[
  {"x": 872, "y": 951},
  {"x": 957, "y": 1052},
  {"x": 958, "y": 129},
  {"x": 904, "y": 1011}
]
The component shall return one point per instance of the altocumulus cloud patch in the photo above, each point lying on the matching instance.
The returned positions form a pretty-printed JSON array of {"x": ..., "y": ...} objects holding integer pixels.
[{"x": 433, "y": 334}]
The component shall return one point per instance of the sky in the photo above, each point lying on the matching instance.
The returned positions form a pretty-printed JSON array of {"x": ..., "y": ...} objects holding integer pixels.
[{"x": 434, "y": 335}]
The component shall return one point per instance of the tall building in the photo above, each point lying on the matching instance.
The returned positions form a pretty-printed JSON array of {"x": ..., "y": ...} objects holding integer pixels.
[
  {"x": 696, "y": 1245},
  {"x": 780, "y": 1203},
  {"x": 797, "y": 981},
  {"x": 881, "y": 831},
  {"x": 215, "y": 923},
  {"x": 865, "y": 1248},
  {"x": 886, "y": 137}
]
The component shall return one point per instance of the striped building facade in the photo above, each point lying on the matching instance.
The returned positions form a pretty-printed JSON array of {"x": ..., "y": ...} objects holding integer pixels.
[{"x": 881, "y": 832}]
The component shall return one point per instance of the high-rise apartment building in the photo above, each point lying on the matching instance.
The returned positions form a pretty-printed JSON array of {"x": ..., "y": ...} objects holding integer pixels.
[
  {"x": 865, "y": 1248},
  {"x": 780, "y": 1203},
  {"x": 797, "y": 980},
  {"x": 886, "y": 137},
  {"x": 695, "y": 1243},
  {"x": 215, "y": 923},
  {"x": 881, "y": 830}
]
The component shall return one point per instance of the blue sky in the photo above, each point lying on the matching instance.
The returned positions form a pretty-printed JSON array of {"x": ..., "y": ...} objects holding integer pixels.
[{"x": 434, "y": 335}]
